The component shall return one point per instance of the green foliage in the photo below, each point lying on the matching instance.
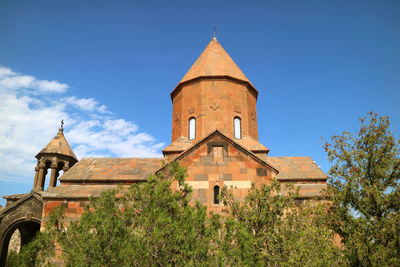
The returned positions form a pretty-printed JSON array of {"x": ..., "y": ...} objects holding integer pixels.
[
  {"x": 149, "y": 224},
  {"x": 365, "y": 193},
  {"x": 269, "y": 229},
  {"x": 37, "y": 252},
  {"x": 12, "y": 258}
]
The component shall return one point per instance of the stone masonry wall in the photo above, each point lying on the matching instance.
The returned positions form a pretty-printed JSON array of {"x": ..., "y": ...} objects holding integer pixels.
[{"x": 214, "y": 104}]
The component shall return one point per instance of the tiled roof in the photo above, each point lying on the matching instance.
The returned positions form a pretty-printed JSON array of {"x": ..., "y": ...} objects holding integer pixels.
[
  {"x": 214, "y": 61},
  {"x": 251, "y": 144},
  {"x": 78, "y": 191},
  {"x": 182, "y": 143},
  {"x": 115, "y": 170},
  {"x": 25, "y": 197},
  {"x": 58, "y": 145},
  {"x": 296, "y": 168},
  {"x": 179, "y": 145}
]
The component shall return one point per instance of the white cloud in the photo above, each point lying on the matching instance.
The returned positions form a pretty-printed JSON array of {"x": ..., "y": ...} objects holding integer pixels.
[
  {"x": 15, "y": 82},
  {"x": 11, "y": 80},
  {"x": 102, "y": 109},
  {"x": 51, "y": 86},
  {"x": 86, "y": 104},
  {"x": 30, "y": 118},
  {"x": 5, "y": 71}
]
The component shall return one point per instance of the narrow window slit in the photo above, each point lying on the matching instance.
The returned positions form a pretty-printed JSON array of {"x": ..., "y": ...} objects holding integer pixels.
[
  {"x": 216, "y": 194},
  {"x": 192, "y": 128},
  {"x": 238, "y": 127}
]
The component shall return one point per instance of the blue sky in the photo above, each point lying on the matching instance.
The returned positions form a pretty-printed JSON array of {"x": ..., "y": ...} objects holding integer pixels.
[{"x": 107, "y": 68}]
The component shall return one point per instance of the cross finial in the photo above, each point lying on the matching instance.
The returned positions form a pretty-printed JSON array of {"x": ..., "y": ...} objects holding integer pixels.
[
  {"x": 214, "y": 37},
  {"x": 62, "y": 123}
]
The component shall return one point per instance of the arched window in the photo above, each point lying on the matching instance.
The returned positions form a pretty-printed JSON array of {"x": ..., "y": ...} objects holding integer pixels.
[
  {"x": 216, "y": 194},
  {"x": 192, "y": 128},
  {"x": 238, "y": 127}
]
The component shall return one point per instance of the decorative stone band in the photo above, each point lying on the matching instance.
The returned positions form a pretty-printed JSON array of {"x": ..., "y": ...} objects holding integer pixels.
[
  {"x": 238, "y": 184},
  {"x": 198, "y": 184}
]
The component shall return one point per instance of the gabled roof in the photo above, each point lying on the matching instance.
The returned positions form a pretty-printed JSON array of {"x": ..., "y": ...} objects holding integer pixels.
[
  {"x": 182, "y": 143},
  {"x": 297, "y": 168},
  {"x": 214, "y": 62},
  {"x": 229, "y": 140},
  {"x": 111, "y": 170},
  {"x": 32, "y": 194},
  {"x": 58, "y": 145}
]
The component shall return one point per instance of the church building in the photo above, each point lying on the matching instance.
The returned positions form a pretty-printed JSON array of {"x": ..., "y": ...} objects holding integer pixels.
[{"x": 214, "y": 135}]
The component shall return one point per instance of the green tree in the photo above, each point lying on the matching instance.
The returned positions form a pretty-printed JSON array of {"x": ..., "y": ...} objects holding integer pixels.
[
  {"x": 269, "y": 229},
  {"x": 365, "y": 192},
  {"x": 151, "y": 224},
  {"x": 148, "y": 225}
]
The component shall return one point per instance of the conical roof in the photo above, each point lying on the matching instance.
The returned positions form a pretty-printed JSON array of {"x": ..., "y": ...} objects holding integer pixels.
[
  {"x": 214, "y": 61},
  {"x": 58, "y": 145}
]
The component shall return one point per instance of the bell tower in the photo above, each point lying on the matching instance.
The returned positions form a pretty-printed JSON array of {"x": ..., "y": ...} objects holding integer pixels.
[
  {"x": 214, "y": 95},
  {"x": 57, "y": 155}
]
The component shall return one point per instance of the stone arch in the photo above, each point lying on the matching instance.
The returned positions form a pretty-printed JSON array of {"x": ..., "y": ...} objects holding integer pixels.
[
  {"x": 62, "y": 165},
  {"x": 47, "y": 165},
  {"x": 25, "y": 215}
]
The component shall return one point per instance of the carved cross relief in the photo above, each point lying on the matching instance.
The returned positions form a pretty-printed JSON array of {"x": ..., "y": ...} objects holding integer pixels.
[
  {"x": 214, "y": 106},
  {"x": 236, "y": 108}
]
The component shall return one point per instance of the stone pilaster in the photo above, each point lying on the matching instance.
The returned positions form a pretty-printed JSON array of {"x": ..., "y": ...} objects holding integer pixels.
[{"x": 36, "y": 177}]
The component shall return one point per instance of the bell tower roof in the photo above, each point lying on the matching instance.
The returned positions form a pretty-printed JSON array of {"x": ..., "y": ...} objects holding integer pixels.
[
  {"x": 214, "y": 62},
  {"x": 58, "y": 145}
]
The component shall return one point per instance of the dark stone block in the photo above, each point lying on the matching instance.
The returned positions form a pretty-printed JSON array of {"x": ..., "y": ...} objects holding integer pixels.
[
  {"x": 227, "y": 177},
  {"x": 202, "y": 195},
  {"x": 261, "y": 172},
  {"x": 201, "y": 177},
  {"x": 206, "y": 158},
  {"x": 298, "y": 202}
]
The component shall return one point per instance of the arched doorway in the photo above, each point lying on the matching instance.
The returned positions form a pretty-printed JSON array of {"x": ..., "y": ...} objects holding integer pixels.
[
  {"x": 27, "y": 230},
  {"x": 24, "y": 215}
]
